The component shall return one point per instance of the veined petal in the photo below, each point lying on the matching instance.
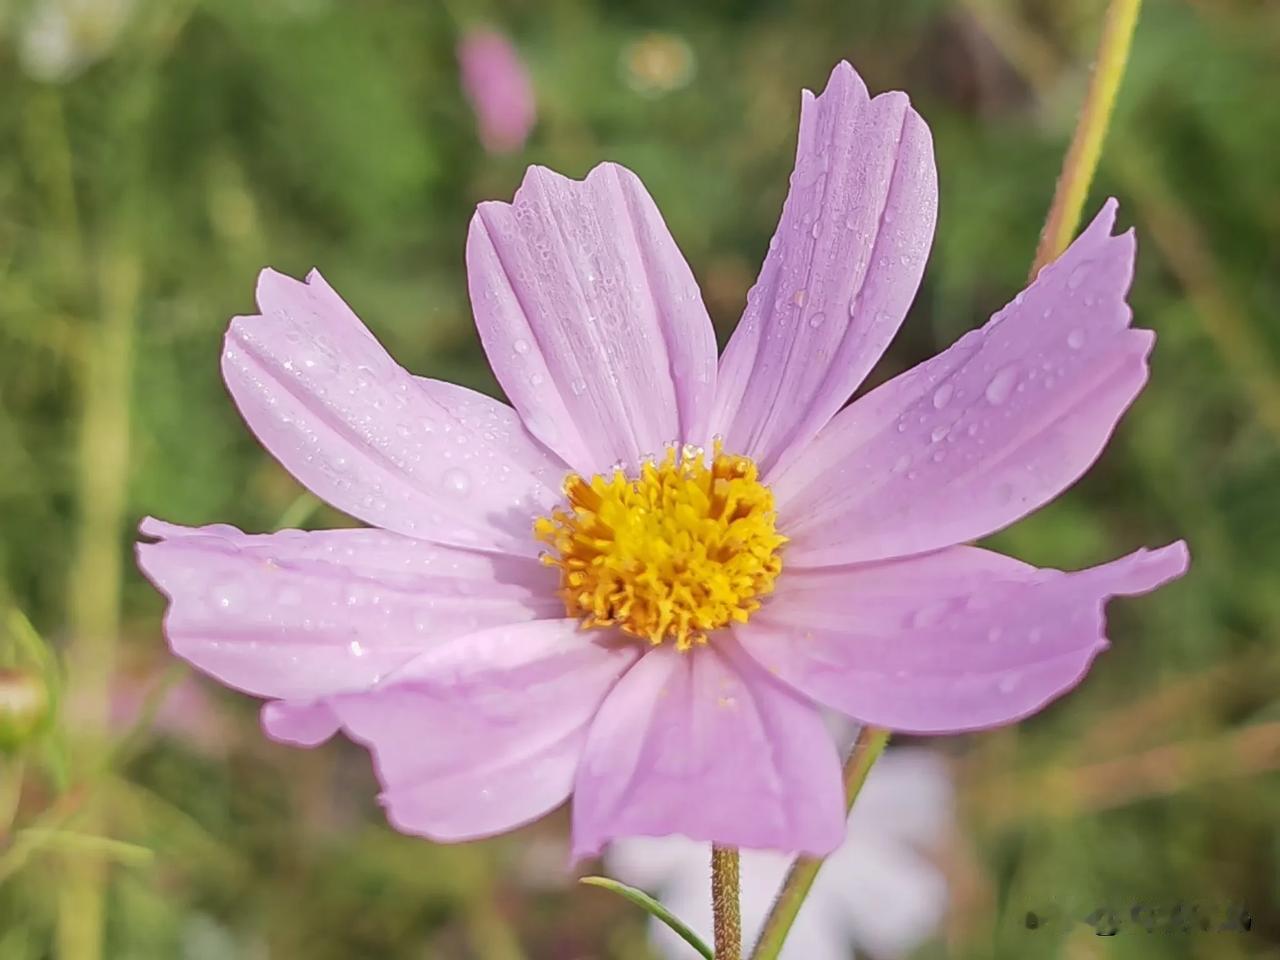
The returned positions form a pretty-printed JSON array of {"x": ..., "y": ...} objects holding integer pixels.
[
  {"x": 982, "y": 434},
  {"x": 710, "y": 746},
  {"x": 484, "y": 733},
  {"x": 955, "y": 640},
  {"x": 416, "y": 456},
  {"x": 842, "y": 269},
  {"x": 591, "y": 318},
  {"x": 300, "y": 616}
]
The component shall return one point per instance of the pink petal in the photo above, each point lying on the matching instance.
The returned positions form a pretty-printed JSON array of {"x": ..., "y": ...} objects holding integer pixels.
[
  {"x": 497, "y": 84},
  {"x": 842, "y": 269},
  {"x": 415, "y": 456},
  {"x": 708, "y": 745},
  {"x": 299, "y": 724},
  {"x": 484, "y": 733},
  {"x": 299, "y": 616},
  {"x": 591, "y": 318},
  {"x": 985, "y": 432},
  {"x": 949, "y": 641}
]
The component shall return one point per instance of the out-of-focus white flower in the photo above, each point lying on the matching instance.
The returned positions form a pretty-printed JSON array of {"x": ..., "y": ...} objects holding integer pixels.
[
  {"x": 657, "y": 63},
  {"x": 59, "y": 38},
  {"x": 880, "y": 891}
]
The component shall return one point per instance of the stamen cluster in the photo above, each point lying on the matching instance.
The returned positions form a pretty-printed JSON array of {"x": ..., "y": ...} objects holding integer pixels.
[{"x": 681, "y": 550}]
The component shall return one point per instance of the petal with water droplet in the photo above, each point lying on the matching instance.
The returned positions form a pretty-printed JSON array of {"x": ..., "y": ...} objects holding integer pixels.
[
  {"x": 1000, "y": 639},
  {"x": 360, "y": 432},
  {"x": 484, "y": 733},
  {"x": 618, "y": 352},
  {"x": 1029, "y": 405},
  {"x": 708, "y": 745},
  {"x": 320, "y": 612},
  {"x": 828, "y": 302}
]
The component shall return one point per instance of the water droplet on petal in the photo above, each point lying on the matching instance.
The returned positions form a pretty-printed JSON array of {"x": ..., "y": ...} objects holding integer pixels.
[
  {"x": 1002, "y": 384},
  {"x": 1077, "y": 276},
  {"x": 457, "y": 481},
  {"x": 942, "y": 396},
  {"x": 521, "y": 346},
  {"x": 929, "y": 615},
  {"x": 1075, "y": 339}
]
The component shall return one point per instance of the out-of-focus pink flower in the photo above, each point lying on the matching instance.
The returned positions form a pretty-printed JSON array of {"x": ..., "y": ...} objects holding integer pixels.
[
  {"x": 186, "y": 712},
  {"x": 497, "y": 83},
  {"x": 881, "y": 891},
  {"x": 643, "y": 583}
]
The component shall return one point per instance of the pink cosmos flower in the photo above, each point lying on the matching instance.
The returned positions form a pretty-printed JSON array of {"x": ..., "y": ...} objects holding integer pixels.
[
  {"x": 496, "y": 82},
  {"x": 641, "y": 583}
]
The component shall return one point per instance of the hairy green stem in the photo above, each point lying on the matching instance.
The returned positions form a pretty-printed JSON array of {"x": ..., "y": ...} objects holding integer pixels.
[
  {"x": 726, "y": 903},
  {"x": 1082, "y": 156},
  {"x": 867, "y": 749}
]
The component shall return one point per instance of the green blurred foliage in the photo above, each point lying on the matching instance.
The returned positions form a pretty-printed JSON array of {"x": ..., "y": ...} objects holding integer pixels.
[{"x": 142, "y": 189}]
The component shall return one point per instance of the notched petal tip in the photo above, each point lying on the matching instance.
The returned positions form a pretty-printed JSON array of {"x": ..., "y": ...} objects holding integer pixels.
[
  {"x": 271, "y": 280},
  {"x": 158, "y": 529},
  {"x": 1150, "y": 569},
  {"x": 844, "y": 78}
]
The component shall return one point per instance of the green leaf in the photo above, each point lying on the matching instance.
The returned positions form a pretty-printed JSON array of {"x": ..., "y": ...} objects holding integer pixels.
[{"x": 647, "y": 903}]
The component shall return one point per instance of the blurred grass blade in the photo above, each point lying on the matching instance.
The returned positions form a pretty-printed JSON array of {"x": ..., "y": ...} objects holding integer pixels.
[
  {"x": 70, "y": 840},
  {"x": 652, "y": 906},
  {"x": 298, "y": 512}
]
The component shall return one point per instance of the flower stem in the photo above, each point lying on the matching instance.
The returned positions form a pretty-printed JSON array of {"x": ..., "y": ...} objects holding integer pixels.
[
  {"x": 867, "y": 749},
  {"x": 726, "y": 903},
  {"x": 1091, "y": 127}
]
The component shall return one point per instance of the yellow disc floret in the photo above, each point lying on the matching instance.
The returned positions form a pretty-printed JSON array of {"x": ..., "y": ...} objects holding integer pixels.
[{"x": 672, "y": 554}]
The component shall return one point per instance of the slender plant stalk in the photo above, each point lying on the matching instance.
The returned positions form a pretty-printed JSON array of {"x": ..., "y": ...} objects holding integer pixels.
[
  {"x": 97, "y": 573},
  {"x": 867, "y": 749},
  {"x": 1091, "y": 127},
  {"x": 726, "y": 903}
]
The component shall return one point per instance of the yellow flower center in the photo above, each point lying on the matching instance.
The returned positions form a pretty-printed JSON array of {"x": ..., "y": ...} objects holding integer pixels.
[{"x": 672, "y": 554}]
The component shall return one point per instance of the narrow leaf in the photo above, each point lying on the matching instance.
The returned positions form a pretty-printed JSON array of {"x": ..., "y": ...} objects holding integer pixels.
[{"x": 647, "y": 903}]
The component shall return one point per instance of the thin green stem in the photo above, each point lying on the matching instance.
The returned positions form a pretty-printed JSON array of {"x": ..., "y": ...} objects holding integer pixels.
[
  {"x": 867, "y": 749},
  {"x": 726, "y": 903},
  {"x": 1082, "y": 156}
]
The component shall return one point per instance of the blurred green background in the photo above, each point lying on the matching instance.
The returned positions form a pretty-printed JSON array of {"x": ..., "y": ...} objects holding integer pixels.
[{"x": 157, "y": 153}]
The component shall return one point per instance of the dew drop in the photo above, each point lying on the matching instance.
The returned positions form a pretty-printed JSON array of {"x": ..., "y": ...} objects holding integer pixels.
[
  {"x": 356, "y": 648},
  {"x": 1002, "y": 384},
  {"x": 227, "y": 595},
  {"x": 942, "y": 396},
  {"x": 901, "y": 463},
  {"x": 457, "y": 481},
  {"x": 938, "y": 433},
  {"x": 521, "y": 346},
  {"x": 1077, "y": 276},
  {"x": 929, "y": 615},
  {"x": 1075, "y": 339}
]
